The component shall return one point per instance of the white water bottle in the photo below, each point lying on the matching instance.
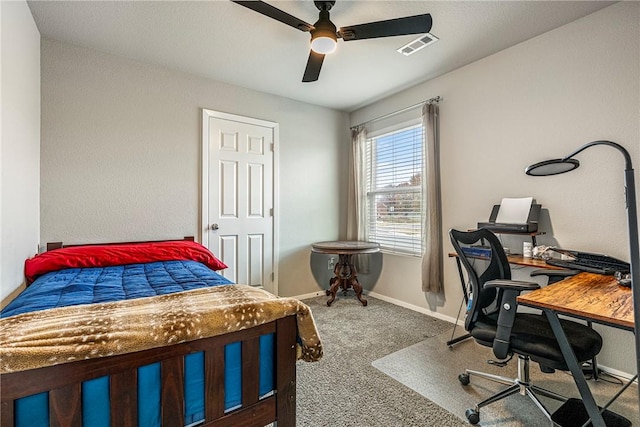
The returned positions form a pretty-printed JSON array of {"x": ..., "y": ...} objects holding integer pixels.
[{"x": 527, "y": 249}]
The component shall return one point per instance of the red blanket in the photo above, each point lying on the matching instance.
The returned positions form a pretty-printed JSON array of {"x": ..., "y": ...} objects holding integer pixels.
[{"x": 119, "y": 254}]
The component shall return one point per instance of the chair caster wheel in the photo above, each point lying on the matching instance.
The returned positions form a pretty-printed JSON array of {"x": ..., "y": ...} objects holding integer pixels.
[
  {"x": 464, "y": 379},
  {"x": 473, "y": 416}
]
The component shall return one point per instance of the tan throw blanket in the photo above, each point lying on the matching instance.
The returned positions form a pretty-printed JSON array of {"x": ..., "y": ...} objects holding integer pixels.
[{"x": 67, "y": 334}]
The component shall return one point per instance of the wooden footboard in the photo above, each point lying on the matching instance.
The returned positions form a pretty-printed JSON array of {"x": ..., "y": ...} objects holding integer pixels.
[{"x": 64, "y": 382}]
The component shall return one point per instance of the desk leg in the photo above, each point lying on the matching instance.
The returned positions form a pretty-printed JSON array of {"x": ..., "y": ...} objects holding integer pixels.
[
  {"x": 453, "y": 340},
  {"x": 576, "y": 371}
]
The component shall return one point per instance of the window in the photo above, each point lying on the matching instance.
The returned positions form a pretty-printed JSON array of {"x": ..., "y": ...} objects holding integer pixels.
[{"x": 393, "y": 171}]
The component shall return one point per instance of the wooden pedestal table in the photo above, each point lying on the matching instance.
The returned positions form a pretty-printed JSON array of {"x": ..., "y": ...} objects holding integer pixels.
[{"x": 346, "y": 275}]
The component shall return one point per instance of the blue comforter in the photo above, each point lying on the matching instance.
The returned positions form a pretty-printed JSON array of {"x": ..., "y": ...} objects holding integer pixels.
[{"x": 75, "y": 286}]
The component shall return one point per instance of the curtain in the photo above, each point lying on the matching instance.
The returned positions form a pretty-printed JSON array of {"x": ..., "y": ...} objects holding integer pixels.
[
  {"x": 356, "y": 206},
  {"x": 357, "y": 197},
  {"x": 432, "y": 258}
]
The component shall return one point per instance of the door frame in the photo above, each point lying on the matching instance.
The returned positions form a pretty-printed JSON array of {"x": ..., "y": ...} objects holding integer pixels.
[{"x": 204, "y": 196}]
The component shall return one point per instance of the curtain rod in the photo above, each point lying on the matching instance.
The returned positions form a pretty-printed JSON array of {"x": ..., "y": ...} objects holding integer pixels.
[{"x": 419, "y": 104}]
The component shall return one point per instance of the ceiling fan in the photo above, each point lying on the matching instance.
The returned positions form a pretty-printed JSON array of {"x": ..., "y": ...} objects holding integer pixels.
[{"x": 324, "y": 36}]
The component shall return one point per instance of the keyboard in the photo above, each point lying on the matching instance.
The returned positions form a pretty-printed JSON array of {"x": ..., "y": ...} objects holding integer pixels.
[{"x": 592, "y": 263}]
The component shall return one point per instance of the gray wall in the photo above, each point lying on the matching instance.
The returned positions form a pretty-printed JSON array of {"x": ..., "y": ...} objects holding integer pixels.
[
  {"x": 121, "y": 148},
  {"x": 20, "y": 146},
  {"x": 540, "y": 99}
]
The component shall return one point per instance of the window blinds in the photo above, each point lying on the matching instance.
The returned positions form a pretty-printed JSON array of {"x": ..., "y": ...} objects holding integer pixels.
[{"x": 394, "y": 189}]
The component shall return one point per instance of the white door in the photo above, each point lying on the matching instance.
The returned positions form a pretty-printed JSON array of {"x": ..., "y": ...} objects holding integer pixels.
[{"x": 238, "y": 196}]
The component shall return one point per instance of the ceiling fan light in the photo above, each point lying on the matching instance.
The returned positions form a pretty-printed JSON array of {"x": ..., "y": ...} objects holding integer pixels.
[
  {"x": 323, "y": 35},
  {"x": 323, "y": 44}
]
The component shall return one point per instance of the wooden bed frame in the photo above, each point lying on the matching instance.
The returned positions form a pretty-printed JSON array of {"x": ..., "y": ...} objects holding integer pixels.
[{"x": 64, "y": 382}]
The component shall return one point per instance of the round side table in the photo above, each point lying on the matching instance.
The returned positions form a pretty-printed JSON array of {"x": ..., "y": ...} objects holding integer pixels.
[{"x": 346, "y": 275}]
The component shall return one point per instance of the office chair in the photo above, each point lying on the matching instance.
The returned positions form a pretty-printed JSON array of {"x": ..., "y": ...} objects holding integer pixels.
[{"x": 492, "y": 321}]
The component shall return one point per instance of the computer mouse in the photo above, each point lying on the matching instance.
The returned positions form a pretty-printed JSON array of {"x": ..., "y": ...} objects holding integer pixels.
[
  {"x": 623, "y": 278},
  {"x": 625, "y": 282}
]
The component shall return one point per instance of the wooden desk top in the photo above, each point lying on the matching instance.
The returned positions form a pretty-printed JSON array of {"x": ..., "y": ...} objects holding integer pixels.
[
  {"x": 586, "y": 295},
  {"x": 523, "y": 261},
  {"x": 345, "y": 247},
  {"x": 530, "y": 262}
]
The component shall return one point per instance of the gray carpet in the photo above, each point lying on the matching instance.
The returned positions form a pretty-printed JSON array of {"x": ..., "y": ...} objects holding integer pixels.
[
  {"x": 344, "y": 389},
  {"x": 414, "y": 367},
  {"x": 385, "y": 365}
]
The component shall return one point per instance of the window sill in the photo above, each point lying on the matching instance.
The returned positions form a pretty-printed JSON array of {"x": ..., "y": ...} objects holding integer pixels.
[{"x": 400, "y": 254}]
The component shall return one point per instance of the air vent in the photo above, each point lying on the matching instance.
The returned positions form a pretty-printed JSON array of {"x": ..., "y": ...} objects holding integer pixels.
[{"x": 423, "y": 41}]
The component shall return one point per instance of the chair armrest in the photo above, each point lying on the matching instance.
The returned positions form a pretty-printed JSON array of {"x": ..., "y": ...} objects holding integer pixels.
[
  {"x": 517, "y": 285},
  {"x": 508, "y": 306}
]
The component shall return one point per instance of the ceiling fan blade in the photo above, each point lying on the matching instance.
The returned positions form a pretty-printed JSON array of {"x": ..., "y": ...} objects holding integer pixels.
[
  {"x": 275, "y": 13},
  {"x": 312, "y": 72},
  {"x": 417, "y": 24}
]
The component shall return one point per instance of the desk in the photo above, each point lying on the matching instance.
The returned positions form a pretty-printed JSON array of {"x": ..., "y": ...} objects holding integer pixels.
[
  {"x": 346, "y": 275},
  {"x": 587, "y": 296},
  {"x": 520, "y": 260}
]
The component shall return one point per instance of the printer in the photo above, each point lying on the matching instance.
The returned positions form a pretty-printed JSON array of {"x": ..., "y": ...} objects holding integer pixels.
[{"x": 525, "y": 224}]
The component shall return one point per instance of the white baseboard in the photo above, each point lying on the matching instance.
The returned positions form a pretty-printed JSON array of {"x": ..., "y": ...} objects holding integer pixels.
[
  {"x": 616, "y": 373},
  {"x": 392, "y": 301},
  {"x": 311, "y": 295},
  {"x": 415, "y": 308}
]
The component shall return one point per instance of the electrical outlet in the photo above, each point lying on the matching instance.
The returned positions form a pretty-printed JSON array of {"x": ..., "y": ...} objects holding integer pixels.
[{"x": 331, "y": 264}]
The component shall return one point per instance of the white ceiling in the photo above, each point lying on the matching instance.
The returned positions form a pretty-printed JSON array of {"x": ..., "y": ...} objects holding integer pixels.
[{"x": 230, "y": 43}]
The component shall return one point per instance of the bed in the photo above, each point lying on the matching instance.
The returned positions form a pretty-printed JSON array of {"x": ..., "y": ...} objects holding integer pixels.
[{"x": 148, "y": 334}]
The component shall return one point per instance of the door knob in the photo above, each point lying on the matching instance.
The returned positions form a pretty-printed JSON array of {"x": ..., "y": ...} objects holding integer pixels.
[{"x": 214, "y": 226}]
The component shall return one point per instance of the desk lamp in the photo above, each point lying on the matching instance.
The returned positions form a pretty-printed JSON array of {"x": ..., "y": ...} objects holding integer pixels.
[{"x": 568, "y": 163}]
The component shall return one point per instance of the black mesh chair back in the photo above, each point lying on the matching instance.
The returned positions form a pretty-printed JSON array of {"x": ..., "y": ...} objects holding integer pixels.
[{"x": 480, "y": 271}]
